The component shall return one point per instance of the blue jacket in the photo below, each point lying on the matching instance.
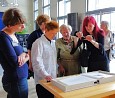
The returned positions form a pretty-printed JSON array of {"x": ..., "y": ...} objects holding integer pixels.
[{"x": 9, "y": 52}]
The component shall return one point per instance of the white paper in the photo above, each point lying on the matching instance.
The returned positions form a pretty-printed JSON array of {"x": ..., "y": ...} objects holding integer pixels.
[
  {"x": 97, "y": 75},
  {"x": 76, "y": 80}
]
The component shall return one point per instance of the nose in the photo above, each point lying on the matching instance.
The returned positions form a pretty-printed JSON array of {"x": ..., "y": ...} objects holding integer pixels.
[{"x": 65, "y": 33}]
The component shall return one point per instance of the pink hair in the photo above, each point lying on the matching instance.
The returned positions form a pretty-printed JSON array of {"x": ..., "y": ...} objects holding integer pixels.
[{"x": 91, "y": 19}]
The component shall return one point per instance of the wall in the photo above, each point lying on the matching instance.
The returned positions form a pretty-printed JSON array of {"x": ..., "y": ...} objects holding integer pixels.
[
  {"x": 26, "y": 6},
  {"x": 79, "y": 6}
]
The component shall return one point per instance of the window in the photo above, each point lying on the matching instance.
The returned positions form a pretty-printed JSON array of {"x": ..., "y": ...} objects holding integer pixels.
[
  {"x": 46, "y": 7},
  {"x": 46, "y": 2},
  {"x": 103, "y": 10},
  {"x": 35, "y": 13},
  {"x": 47, "y": 10},
  {"x": 63, "y": 8},
  {"x": 100, "y": 4}
]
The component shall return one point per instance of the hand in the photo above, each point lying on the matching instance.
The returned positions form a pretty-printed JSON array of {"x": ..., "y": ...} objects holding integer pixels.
[
  {"x": 48, "y": 78},
  {"x": 89, "y": 38},
  {"x": 79, "y": 34},
  {"x": 61, "y": 69},
  {"x": 30, "y": 66},
  {"x": 24, "y": 57}
]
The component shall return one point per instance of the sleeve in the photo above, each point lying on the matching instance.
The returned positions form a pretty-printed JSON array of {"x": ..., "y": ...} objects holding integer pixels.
[
  {"x": 111, "y": 37},
  {"x": 37, "y": 59},
  {"x": 101, "y": 43},
  {"x": 32, "y": 37},
  {"x": 57, "y": 49},
  {"x": 8, "y": 52},
  {"x": 75, "y": 48}
]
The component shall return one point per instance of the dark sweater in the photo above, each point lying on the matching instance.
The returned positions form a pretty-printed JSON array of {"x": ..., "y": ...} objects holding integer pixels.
[
  {"x": 32, "y": 37},
  {"x": 98, "y": 58},
  {"x": 9, "y": 52}
]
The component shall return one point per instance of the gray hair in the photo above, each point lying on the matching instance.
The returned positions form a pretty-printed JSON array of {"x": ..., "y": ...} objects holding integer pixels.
[
  {"x": 105, "y": 23},
  {"x": 63, "y": 26}
]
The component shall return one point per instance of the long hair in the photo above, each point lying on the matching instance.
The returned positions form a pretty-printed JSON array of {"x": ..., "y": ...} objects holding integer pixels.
[{"x": 91, "y": 19}]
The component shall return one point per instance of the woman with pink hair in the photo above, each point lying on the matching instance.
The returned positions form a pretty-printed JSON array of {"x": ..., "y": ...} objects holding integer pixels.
[{"x": 93, "y": 37}]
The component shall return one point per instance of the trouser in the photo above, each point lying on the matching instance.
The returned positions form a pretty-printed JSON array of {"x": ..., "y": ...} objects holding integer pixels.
[
  {"x": 17, "y": 89},
  {"x": 108, "y": 52},
  {"x": 42, "y": 92}
]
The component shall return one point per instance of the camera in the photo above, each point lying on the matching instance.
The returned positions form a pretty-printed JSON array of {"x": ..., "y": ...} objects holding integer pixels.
[{"x": 82, "y": 38}]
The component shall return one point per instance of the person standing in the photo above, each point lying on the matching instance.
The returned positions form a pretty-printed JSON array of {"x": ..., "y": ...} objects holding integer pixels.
[
  {"x": 68, "y": 62},
  {"x": 94, "y": 40},
  {"x": 43, "y": 56},
  {"x": 41, "y": 22},
  {"x": 108, "y": 38},
  {"x": 13, "y": 59}
]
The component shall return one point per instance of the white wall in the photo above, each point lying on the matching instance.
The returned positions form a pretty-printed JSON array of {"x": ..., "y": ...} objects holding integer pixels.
[
  {"x": 79, "y": 6},
  {"x": 26, "y": 6}
]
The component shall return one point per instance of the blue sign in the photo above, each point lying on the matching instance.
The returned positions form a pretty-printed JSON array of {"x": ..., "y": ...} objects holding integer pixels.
[{"x": 1, "y": 22}]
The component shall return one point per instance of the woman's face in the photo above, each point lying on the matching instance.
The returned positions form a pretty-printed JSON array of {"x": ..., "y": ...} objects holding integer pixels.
[
  {"x": 90, "y": 28},
  {"x": 51, "y": 33},
  {"x": 65, "y": 33},
  {"x": 103, "y": 26},
  {"x": 18, "y": 27}
]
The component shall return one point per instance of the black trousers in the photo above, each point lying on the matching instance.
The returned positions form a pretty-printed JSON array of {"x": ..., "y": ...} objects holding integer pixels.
[{"x": 42, "y": 92}]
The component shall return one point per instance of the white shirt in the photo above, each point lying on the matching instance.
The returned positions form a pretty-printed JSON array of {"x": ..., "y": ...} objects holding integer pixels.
[
  {"x": 108, "y": 40},
  {"x": 44, "y": 58}
]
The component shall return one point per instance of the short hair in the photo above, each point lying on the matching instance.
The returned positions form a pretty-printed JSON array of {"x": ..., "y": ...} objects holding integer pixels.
[
  {"x": 52, "y": 25},
  {"x": 42, "y": 18},
  {"x": 63, "y": 26},
  {"x": 12, "y": 17},
  {"x": 105, "y": 23}
]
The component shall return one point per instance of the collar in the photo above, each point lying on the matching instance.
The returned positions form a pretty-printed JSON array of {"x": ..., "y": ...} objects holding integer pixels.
[{"x": 48, "y": 39}]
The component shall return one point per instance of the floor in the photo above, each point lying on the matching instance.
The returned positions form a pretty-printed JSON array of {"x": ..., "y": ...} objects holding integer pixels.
[{"x": 32, "y": 93}]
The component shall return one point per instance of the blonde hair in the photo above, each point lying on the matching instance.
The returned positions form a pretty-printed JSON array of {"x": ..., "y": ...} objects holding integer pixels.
[{"x": 43, "y": 18}]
